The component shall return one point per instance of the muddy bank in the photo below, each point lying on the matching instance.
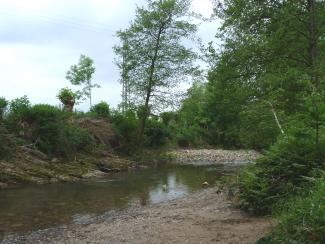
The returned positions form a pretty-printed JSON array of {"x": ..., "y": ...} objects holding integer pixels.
[
  {"x": 30, "y": 166},
  {"x": 203, "y": 217},
  {"x": 213, "y": 156}
]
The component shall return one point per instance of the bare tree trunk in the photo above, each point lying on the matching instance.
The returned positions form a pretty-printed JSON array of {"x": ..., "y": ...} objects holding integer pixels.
[
  {"x": 275, "y": 117},
  {"x": 90, "y": 102},
  {"x": 145, "y": 114}
]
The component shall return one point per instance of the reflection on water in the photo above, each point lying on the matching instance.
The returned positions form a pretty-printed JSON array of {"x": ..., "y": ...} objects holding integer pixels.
[{"x": 38, "y": 207}]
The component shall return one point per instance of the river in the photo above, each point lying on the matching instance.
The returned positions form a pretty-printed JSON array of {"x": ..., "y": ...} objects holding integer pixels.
[{"x": 37, "y": 207}]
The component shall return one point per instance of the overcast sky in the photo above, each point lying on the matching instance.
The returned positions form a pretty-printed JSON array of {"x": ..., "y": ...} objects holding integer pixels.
[{"x": 41, "y": 39}]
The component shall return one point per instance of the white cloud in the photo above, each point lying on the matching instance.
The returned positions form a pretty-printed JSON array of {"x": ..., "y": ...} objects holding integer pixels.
[{"x": 40, "y": 39}]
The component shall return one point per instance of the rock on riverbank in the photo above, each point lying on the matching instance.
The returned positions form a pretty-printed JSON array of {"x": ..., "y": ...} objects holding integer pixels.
[{"x": 213, "y": 156}]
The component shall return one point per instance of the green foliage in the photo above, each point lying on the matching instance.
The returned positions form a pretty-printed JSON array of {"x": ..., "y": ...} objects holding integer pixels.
[
  {"x": 168, "y": 117},
  {"x": 101, "y": 110},
  {"x": 226, "y": 98},
  {"x": 193, "y": 124},
  {"x": 52, "y": 134},
  {"x": 185, "y": 138},
  {"x": 81, "y": 74},
  {"x": 6, "y": 144},
  {"x": 280, "y": 172},
  {"x": 126, "y": 125},
  {"x": 47, "y": 127},
  {"x": 156, "y": 134},
  {"x": 74, "y": 140},
  {"x": 17, "y": 111},
  {"x": 19, "y": 105},
  {"x": 67, "y": 96},
  {"x": 301, "y": 219},
  {"x": 151, "y": 56},
  {"x": 3, "y": 106},
  {"x": 258, "y": 129}
]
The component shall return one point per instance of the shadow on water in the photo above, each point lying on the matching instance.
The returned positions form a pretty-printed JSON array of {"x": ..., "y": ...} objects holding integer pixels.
[{"x": 38, "y": 207}]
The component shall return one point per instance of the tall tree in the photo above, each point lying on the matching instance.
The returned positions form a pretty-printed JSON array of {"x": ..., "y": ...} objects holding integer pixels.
[
  {"x": 154, "y": 55},
  {"x": 274, "y": 51},
  {"x": 81, "y": 74}
]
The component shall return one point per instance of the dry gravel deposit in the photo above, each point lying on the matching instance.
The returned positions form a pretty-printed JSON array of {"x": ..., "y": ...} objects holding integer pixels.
[
  {"x": 206, "y": 216},
  {"x": 213, "y": 156}
]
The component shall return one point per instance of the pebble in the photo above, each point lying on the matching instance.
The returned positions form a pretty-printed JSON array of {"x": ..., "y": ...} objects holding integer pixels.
[{"x": 214, "y": 156}]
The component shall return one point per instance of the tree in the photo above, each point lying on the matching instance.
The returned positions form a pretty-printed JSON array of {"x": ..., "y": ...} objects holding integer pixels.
[
  {"x": 273, "y": 52},
  {"x": 68, "y": 98},
  {"x": 153, "y": 55},
  {"x": 3, "y": 107},
  {"x": 81, "y": 74}
]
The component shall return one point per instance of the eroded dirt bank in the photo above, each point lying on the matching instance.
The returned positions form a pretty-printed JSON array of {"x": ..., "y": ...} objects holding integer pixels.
[{"x": 203, "y": 217}]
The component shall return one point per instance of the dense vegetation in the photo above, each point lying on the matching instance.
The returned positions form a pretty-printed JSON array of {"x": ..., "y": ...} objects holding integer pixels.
[{"x": 265, "y": 90}]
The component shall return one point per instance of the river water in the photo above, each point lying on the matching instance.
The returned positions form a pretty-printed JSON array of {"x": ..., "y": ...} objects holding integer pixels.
[{"x": 43, "y": 206}]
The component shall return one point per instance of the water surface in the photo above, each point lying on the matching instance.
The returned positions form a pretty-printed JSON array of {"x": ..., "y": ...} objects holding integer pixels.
[{"x": 43, "y": 206}]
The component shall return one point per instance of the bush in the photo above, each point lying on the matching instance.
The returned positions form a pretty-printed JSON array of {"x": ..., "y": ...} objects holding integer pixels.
[
  {"x": 301, "y": 219},
  {"x": 66, "y": 96},
  {"x": 73, "y": 139},
  {"x": 168, "y": 117},
  {"x": 17, "y": 111},
  {"x": 100, "y": 110},
  {"x": 280, "y": 172},
  {"x": 156, "y": 133},
  {"x": 48, "y": 127},
  {"x": 126, "y": 127},
  {"x": 191, "y": 136},
  {"x": 6, "y": 143},
  {"x": 184, "y": 138},
  {"x": 19, "y": 105}
]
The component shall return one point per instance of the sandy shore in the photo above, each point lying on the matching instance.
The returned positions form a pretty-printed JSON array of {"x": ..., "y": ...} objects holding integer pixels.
[{"x": 203, "y": 217}]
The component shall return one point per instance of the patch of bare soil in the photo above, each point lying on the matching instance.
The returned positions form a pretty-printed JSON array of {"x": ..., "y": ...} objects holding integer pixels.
[{"x": 203, "y": 217}]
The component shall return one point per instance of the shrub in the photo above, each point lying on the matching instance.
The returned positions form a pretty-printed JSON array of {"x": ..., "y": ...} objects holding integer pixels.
[
  {"x": 101, "y": 110},
  {"x": 73, "y": 139},
  {"x": 126, "y": 127},
  {"x": 168, "y": 117},
  {"x": 280, "y": 173},
  {"x": 194, "y": 135},
  {"x": 156, "y": 133},
  {"x": 66, "y": 95},
  {"x": 19, "y": 105},
  {"x": 6, "y": 144},
  {"x": 68, "y": 98},
  {"x": 301, "y": 219},
  {"x": 184, "y": 138},
  {"x": 48, "y": 127},
  {"x": 17, "y": 111}
]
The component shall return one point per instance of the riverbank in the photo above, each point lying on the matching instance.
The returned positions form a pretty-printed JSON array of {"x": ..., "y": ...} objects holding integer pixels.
[
  {"x": 203, "y": 217},
  {"x": 201, "y": 157},
  {"x": 30, "y": 166}
]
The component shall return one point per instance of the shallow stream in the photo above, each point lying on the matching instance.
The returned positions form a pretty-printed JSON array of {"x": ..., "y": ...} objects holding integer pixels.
[{"x": 43, "y": 206}]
